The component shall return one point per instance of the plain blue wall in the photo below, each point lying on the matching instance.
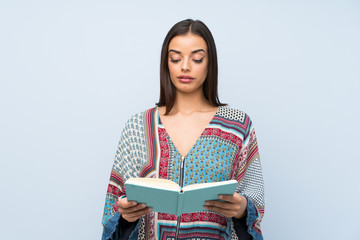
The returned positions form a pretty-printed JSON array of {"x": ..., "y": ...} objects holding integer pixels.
[{"x": 72, "y": 72}]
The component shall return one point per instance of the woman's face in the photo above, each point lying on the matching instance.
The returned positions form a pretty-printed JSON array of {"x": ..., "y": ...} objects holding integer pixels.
[{"x": 188, "y": 62}]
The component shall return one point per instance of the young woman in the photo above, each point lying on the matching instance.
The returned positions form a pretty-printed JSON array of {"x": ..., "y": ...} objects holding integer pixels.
[{"x": 191, "y": 128}]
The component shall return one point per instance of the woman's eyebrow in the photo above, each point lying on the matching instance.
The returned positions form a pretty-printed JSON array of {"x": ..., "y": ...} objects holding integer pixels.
[
  {"x": 198, "y": 50},
  {"x": 195, "y": 51},
  {"x": 175, "y": 51}
]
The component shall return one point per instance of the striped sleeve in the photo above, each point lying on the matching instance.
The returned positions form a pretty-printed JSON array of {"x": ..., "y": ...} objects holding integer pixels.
[
  {"x": 123, "y": 168},
  {"x": 251, "y": 184}
]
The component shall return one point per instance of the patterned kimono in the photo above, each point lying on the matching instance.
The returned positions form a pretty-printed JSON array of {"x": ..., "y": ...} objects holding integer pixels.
[{"x": 227, "y": 149}]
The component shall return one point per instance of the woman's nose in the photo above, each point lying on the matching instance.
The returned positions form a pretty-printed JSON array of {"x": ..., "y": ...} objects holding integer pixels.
[{"x": 185, "y": 66}]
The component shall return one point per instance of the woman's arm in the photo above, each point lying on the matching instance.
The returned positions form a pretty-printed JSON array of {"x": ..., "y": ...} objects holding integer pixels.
[
  {"x": 119, "y": 218},
  {"x": 126, "y": 219}
]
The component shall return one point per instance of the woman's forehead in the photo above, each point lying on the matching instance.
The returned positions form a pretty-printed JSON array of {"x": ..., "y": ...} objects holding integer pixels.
[{"x": 187, "y": 43}]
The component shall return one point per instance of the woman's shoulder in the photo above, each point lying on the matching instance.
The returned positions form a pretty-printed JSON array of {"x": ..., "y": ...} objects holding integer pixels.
[
  {"x": 143, "y": 113},
  {"x": 234, "y": 114},
  {"x": 140, "y": 117}
]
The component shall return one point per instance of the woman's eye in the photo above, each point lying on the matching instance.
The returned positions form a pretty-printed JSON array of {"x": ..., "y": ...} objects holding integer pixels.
[
  {"x": 174, "y": 60},
  {"x": 198, "y": 60}
]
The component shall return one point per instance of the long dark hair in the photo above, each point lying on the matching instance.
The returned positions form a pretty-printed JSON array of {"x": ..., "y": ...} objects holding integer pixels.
[{"x": 167, "y": 88}]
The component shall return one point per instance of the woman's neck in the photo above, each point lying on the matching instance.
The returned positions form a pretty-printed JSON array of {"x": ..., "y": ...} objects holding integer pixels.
[{"x": 189, "y": 103}]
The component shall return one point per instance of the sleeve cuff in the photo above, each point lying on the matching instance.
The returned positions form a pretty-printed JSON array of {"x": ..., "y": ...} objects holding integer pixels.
[
  {"x": 252, "y": 216},
  {"x": 118, "y": 228}
]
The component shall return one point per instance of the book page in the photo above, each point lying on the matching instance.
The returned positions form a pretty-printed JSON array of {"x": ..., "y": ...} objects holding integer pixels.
[
  {"x": 155, "y": 182},
  {"x": 206, "y": 185}
]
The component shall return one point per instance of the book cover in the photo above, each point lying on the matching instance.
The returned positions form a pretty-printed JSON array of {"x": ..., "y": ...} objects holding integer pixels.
[{"x": 167, "y": 196}]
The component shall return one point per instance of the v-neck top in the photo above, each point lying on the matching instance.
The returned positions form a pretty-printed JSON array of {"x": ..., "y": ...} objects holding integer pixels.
[
  {"x": 226, "y": 149},
  {"x": 198, "y": 138},
  {"x": 208, "y": 160}
]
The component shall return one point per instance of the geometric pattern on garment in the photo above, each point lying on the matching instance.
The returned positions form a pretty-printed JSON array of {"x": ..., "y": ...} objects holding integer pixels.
[
  {"x": 210, "y": 160},
  {"x": 253, "y": 182},
  {"x": 144, "y": 150},
  {"x": 231, "y": 113}
]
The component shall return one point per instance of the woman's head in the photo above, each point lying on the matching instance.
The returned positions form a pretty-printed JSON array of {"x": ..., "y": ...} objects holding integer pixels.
[{"x": 200, "y": 34}]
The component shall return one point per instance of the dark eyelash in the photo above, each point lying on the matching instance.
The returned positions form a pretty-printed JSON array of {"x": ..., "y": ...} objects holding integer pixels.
[
  {"x": 195, "y": 60},
  {"x": 174, "y": 60}
]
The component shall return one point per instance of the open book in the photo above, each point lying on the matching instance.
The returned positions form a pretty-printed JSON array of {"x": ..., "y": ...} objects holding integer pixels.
[{"x": 168, "y": 197}]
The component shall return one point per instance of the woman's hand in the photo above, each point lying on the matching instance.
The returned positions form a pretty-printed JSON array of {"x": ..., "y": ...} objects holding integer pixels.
[
  {"x": 131, "y": 210},
  {"x": 235, "y": 205}
]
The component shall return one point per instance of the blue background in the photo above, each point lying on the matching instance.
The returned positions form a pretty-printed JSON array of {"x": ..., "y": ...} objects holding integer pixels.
[{"x": 72, "y": 72}]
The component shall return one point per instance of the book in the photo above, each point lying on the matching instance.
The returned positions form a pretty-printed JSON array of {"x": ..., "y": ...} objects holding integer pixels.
[{"x": 166, "y": 196}]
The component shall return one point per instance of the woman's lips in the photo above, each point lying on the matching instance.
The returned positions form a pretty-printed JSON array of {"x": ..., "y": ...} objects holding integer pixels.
[{"x": 185, "y": 78}]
